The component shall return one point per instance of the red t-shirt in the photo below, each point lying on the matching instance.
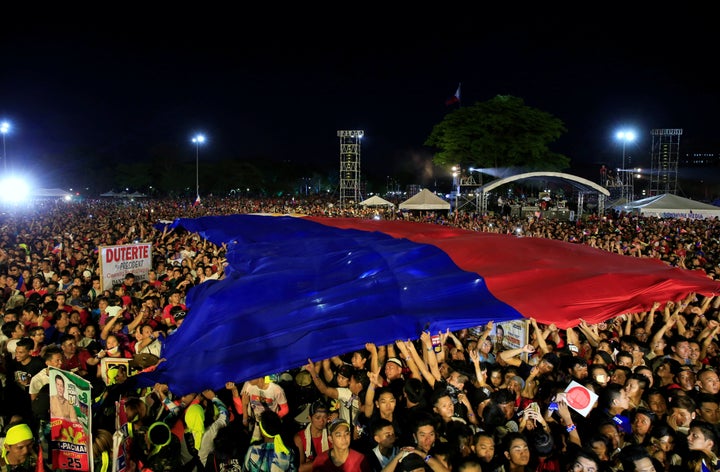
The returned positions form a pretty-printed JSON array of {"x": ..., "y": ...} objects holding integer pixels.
[
  {"x": 77, "y": 362},
  {"x": 356, "y": 462},
  {"x": 166, "y": 312}
]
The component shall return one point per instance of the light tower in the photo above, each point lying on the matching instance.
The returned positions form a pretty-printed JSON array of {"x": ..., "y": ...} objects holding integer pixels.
[
  {"x": 664, "y": 160},
  {"x": 350, "y": 166},
  {"x": 4, "y": 128},
  {"x": 625, "y": 175},
  {"x": 197, "y": 140}
]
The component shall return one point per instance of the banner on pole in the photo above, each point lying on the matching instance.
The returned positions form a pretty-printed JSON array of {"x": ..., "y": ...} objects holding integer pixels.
[
  {"x": 118, "y": 261},
  {"x": 70, "y": 421}
]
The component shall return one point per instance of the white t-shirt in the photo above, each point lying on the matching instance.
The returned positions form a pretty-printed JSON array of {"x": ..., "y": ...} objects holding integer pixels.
[
  {"x": 38, "y": 381},
  {"x": 261, "y": 399},
  {"x": 348, "y": 410}
]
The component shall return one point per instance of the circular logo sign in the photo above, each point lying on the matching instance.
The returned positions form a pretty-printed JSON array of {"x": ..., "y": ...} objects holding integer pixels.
[{"x": 578, "y": 398}]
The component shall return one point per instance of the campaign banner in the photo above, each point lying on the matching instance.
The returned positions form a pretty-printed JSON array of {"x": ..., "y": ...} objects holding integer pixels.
[
  {"x": 70, "y": 421},
  {"x": 110, "y": 367},
  {"x": 122, "y": 439},
  {"x": 511, "y": 335},
  {"x": 118, "y": 261}
]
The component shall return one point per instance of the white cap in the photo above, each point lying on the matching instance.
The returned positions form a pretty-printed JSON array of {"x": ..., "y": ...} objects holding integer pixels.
[{"x": 113, "y": 310}]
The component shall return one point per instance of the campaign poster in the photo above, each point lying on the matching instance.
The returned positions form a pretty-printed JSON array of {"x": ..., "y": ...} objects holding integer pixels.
[
  {"x": 70, "y": 421},
  {"x": 118, "y": 261},
  {"x": 111, "y": 367},
  {"x": 511, "y": 335},
  {"x": 122, "y": 439}
]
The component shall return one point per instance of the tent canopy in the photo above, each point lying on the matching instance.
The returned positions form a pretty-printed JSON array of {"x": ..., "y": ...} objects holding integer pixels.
[
  {"x": 376, "y": 201},
  {"x": 668, "y": 205},
  {"x": 50, "y": 193},
  {"x": 123, "y": 194},
  {"x": 425, "y": 200}
]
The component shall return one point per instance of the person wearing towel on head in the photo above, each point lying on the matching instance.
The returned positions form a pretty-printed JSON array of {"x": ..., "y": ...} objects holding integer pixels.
[{"x": 18, "y": 450}]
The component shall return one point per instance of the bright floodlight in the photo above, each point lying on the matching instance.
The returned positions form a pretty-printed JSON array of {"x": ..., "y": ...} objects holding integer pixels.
[
  {"x": 199, "y": 139},
  {"x": 14, "y": 190},
  {"x": 626, "y": 135},
  {"x": 4, "y": 127}
]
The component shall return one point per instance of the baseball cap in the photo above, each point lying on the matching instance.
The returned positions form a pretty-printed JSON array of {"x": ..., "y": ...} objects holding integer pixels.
[
  {"x": 336, "y": 424},
  {"x": 113, "y": 310},
  {"x": 395, "y": 360}
]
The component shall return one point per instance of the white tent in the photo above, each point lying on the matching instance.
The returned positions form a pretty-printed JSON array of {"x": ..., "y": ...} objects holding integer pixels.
[
  {"x": 425, "y": 200},
  {"x": 123, "y": 194},
  {"x": 50, "y": 193},
  {"x": 668, "y": 205},
  {"x": 376, "y": 201}
]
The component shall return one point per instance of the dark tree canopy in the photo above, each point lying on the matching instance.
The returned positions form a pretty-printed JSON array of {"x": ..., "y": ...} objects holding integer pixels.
[{"x": 502, "y": 132}]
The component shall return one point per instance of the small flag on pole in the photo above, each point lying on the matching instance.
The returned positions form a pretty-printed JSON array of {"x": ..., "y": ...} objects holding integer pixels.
[
  {"x": 455, "y": 98},
  {"x": 197, "y": 201},
  {"x": 40, "y": 464}
]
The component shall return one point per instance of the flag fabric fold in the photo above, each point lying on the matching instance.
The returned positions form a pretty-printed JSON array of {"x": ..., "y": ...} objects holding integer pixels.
[{"x": 318, "y": 287}]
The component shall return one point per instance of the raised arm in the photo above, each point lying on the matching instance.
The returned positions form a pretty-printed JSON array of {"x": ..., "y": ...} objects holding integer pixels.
[
  {"x": 429, "y": 355},
  {"x": 539, "y": 335},
  {"x": 590, "y": 333},
  {"x": 628, "y": 323},
  {"x": 650, "y": 318},
  {"x": 108, "y": 326},
  {"x": 327, "y": 372},
  {"x": 423, "y": 368},
  {"x": 510, "y": 356},
  {"x": 409, "y": 360},
  {"x": 319, "y": 384},
  {"x": 375, "y": 382},
  {"x": 374, "y": 361}
]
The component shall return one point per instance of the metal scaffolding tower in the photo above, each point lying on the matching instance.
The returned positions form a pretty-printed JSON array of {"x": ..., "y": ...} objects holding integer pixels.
[
  {"x": 664, "y": 160},
  {"x": 350, "y": 166}
]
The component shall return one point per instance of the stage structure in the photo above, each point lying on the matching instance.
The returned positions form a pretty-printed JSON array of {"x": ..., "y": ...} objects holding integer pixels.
[
  {"x": 664, "y": 161},
  {"x": 583, "y": 187},
  {"x": 350, "y": 167}
]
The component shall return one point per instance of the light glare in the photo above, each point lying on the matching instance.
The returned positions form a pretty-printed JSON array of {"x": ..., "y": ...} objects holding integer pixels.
[
  {"x": 626, "y": 135},
  {"x": 14, "y": 189}
]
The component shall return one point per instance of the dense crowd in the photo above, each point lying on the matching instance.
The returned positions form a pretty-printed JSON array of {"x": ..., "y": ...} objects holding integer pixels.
[{"x": 467, "y": 402}]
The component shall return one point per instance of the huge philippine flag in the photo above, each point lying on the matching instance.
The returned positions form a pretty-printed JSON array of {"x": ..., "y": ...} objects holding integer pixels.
[{"x": 310, "y": 287}]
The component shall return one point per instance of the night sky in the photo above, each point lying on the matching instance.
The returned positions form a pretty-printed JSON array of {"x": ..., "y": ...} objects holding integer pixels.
[{"x": 279, "y": 84}]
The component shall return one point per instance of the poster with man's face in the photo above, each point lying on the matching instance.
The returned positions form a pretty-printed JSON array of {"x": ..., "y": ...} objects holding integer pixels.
[{"x": 510, "y": 335}]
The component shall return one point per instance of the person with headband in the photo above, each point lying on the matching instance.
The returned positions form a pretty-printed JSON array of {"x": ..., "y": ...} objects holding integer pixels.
[
  {"x": 161, "y": 451},
  {"x": 269, "y": 453},
  {"x": 18, "y": 450}
]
